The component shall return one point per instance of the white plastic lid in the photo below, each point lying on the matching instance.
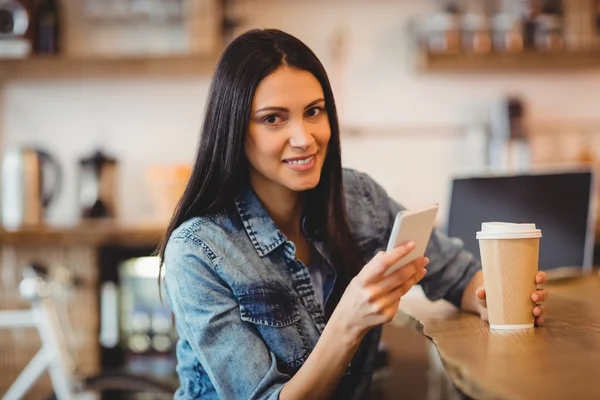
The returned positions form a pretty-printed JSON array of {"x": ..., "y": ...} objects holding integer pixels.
[{"x": 506, "y": 230}]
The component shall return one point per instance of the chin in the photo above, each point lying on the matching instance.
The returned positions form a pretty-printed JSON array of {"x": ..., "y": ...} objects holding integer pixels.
[{"x": 304, "y": 183}]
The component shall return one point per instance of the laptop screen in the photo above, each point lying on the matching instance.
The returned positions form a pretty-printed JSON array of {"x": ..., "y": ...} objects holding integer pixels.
[{"x": 559, "y": 204}]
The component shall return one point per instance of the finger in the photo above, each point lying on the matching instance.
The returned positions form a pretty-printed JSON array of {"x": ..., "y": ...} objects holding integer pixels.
[
  {"x": 392, "y": 299},
  {"x": 538, "y": 311},
  {"x": 484, "y": 315},
  {"x": 412, "y": 281},
  {"x": 480, "y": 292},
  {"x": 405, "y": 273},
  {"x": 387, "y": 286},
  {"x": 539, "y": 321},
  {"x": 539, "y": 295},
  {"x": 385, "y": 300},
  {"x": 400, "y": 251},
  {"x": 375, "y": 269},
  {"x": 381, "y": 304},
  {"x": 390, "y": 312},
  {"x": 393, "y": 256},
  {"x": 541, "y": 278}
]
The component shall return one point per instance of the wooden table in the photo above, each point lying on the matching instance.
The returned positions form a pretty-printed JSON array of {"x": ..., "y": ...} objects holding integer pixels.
[{"x": 560, "y": 360}]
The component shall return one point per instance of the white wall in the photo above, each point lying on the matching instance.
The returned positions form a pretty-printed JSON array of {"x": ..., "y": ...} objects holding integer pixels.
[{"x": 144, "y": 121}]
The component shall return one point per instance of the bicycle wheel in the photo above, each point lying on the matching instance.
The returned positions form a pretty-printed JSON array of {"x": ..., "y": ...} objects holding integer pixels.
[{"x": 123, "y": 385}]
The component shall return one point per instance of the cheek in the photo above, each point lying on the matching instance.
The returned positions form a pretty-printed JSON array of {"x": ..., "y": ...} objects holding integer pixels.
[
  {"x": 263, "y": 149},
  {"x": 323, "y": 136},
  {"x": 250, "y": 149}
]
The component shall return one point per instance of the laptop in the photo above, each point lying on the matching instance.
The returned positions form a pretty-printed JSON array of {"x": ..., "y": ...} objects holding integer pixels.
[{"x": 561, "y": 204}]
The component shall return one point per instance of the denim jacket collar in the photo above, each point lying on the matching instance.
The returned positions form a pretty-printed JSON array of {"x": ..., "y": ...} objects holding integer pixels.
[{"x": 263, "y": 233}]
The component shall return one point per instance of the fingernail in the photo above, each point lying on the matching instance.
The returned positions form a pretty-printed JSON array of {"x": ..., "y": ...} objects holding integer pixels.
[
  {"x": 534, "y": 297},
  {"x": 410, "y": 245},
  {"x": 536, "y": 312},
  {"x": 425, "y": 261},
  {"x": 423, "y": 273},
  {"x": 540, "y": 320}
]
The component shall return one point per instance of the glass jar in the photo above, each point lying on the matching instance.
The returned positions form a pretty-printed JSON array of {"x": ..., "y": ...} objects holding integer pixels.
[
  {"x": 441, "y": 32},
  {"x": 475, "y": 34},
  {"x": 548, "y": 33},
  {"x": 507, "y": 33}
]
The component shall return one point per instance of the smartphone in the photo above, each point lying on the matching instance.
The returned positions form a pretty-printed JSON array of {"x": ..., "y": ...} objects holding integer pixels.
[{"x": 415, "y": 225}]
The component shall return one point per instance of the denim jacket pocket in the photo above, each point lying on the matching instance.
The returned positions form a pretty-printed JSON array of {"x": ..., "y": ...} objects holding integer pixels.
[
  {"x": 276, "y": 316},
  {"x": 267, "y": 307}
]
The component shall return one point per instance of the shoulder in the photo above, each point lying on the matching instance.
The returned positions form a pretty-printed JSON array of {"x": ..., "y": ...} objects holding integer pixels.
[
  {"x": 361, "y": 189},
  {"x": 354, "y": 179},
  {"x": 195, "y": 253},
  {"x": 195, "y": 228},
  {"x": 199, "y": 236},
  {"x": 369, "y": 210}
]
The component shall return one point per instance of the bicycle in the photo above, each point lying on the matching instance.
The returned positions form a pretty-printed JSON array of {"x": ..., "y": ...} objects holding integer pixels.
[{"x": 53, "y": 325}]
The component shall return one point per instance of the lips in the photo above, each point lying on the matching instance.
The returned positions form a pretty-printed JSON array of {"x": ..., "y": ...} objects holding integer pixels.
[{"x": 300, "y": 160}]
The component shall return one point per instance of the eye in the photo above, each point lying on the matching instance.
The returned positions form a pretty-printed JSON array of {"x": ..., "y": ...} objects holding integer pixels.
[
  {"x": 313, "y": 112},
  {"x": 272, "y": 119}
]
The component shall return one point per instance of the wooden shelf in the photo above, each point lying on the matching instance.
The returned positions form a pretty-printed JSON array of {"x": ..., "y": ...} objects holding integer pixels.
[
  {"x": 496, "y": 62},
  {"x": 65, "y": 67},
  {"x": 87, "y": 233}
]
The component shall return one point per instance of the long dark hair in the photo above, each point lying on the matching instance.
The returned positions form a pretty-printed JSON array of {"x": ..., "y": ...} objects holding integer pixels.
[{"x": 221, "y": 167}]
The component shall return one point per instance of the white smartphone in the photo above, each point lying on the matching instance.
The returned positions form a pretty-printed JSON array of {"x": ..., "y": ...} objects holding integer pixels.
[{"x": 415, "y": 225}]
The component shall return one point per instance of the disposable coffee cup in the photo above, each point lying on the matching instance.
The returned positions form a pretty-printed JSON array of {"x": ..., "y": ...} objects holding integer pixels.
[{"x": 509, "y": 258}]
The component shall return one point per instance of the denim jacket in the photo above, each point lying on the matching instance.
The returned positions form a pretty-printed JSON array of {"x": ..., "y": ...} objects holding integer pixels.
[{"x": 245, "y": 308}]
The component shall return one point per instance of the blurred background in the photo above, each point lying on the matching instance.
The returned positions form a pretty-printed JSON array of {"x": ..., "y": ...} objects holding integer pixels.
[{"x": 101, "y": 103}]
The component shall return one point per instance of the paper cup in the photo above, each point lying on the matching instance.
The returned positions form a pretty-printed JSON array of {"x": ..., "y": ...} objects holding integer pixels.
[{"x": 509, "y": 257}]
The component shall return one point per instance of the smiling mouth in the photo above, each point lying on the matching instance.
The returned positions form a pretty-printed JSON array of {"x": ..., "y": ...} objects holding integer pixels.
[{"x": 301, "y": 161}]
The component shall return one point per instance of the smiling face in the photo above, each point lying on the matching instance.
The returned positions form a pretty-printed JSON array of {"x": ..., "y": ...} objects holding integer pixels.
[{"x": 288, "y": 132}]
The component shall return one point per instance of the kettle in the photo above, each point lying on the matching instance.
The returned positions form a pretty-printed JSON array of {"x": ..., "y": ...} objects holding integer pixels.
[
  {"x": 31, "y": 179},
  {"x": 98, "y": 186}
]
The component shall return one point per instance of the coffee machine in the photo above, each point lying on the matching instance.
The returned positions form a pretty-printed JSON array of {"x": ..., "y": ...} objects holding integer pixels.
[
  {"x": 15, "y": 28},
  {"x": 31, "y": 180},
  {"x": 98, "y": 183},
  {"x": 508, "y": 147}
]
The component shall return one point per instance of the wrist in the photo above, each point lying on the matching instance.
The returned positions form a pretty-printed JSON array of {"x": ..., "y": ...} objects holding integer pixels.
[{"x": 345, "y": 333}]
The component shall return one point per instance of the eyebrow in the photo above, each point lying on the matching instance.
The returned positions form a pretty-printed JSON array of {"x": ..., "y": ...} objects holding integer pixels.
[{"x": 283, "y": 109}]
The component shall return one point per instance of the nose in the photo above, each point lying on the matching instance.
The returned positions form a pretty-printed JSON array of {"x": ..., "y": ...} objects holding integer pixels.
[{"x": 301, "y": 137}]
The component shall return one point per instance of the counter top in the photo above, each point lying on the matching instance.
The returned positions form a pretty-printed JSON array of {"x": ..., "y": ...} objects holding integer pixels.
[
  {"x": 556, "y": 361},
  {"x": 92, "y": 233}
]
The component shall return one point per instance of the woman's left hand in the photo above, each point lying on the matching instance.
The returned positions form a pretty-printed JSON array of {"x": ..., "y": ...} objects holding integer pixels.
[{"x": 538, "y": 297}]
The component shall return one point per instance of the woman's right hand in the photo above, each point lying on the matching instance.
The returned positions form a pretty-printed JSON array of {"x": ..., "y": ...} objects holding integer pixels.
[{"x": 371, "y": 298}]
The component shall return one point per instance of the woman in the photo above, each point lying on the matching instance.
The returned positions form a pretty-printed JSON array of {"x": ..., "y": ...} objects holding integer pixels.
[{"x": 272, "y": 262}]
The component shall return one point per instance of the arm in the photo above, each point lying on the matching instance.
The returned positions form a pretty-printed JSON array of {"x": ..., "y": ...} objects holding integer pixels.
[
  {"x": 369, "y": 301},
  {"x": 208, "y": 316},
  {"x": 453, "y": 273},
  {"x": 450, "y": 268},
  {"x": 323, "y": 369}
]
